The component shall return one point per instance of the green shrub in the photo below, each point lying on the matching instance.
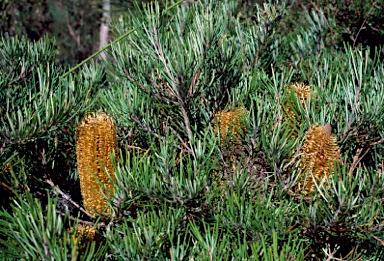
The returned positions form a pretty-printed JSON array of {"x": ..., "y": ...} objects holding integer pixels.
[{"x": 181, "y": 191}]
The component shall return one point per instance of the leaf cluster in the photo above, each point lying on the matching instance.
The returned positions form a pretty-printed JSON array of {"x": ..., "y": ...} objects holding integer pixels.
[{"x": 38, "y": 110}]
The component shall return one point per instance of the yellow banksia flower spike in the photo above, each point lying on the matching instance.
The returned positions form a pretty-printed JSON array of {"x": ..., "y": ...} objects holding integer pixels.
[
  {"x": 320, "y": 151},
  {"x": 84, "y": 233},
  {"x": 230, "y": 123},
  {"x": 230, "y": 127},
  {"x": 96, "y": 140},
  {"x": 302, "y": 92}
]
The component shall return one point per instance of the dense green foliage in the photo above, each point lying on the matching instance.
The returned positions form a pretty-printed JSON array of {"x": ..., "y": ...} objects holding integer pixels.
[{"x": 181, "y": 192}]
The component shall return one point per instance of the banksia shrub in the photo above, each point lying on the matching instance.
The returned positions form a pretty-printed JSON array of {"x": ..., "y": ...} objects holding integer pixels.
[
  {"x": 320, "y": 151},
  {"x": 186, "y": 196},
  {"x": 96, "y": 140}
]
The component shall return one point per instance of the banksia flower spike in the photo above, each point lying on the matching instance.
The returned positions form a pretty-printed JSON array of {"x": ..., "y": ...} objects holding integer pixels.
[
  {"x": 85, "y": 233},
  {"x": 229, "y": 126},
  {"x": 96, "y": 140},
  {"x": 320, "y": 152},
  {"x": 302, "y": 92},
  {"x": 230, "y": 123}
]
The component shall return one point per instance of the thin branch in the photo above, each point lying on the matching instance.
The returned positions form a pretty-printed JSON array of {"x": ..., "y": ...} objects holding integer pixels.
[
  {"x": 22, "y": 75},
  {"x": 146, "y": 90},
  {"x": 193, "y": 84},
  {"x": 378, "y": 239},
  {"x": 346, "y": 132},
  {"x": 67, "y": 197},
  {"x": 72, "y": 33},
  {"x": 187, "y": 123},
  {"x": 174, "y": 91},
  {"x": 362, "y": 25},
  {"x": 157, "y": 95},
  {"x": 357, "y": 158},
  {"x": 161, "y": 54},
  {"x": 150, "y": 131},
  {"x": 337, "y": 213},
  {"x": 135, "y": 147},
  {"x": 90, "y": 223},
  {"x": 98, "y": 52},
  {"x": 377, "y": 142},
  {"x": 146, "y": 128},
  {"x": 171, "y": 92}
]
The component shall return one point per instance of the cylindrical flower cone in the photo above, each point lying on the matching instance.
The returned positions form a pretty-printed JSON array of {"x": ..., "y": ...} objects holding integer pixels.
[
  {"x": 230, "y": 124},
  {"x": 320, "y": 151},
  {"x": 96, "y": 140},
  {"x": 302, "y": 93}
]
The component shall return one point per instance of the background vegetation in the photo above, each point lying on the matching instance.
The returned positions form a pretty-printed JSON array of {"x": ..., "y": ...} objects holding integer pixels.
[{"x": 182, "y": 190}]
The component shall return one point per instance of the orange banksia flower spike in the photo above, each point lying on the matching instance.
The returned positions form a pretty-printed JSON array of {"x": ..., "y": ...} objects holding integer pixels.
[
  {"x": 96, "y": 140},
  {"x": 320, "y": 151}
]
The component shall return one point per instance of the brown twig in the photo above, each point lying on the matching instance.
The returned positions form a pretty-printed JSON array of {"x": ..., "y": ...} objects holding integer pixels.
[
  {"x": 67, "y": 197},
  {"x": 174, "y": 91},
  {"x": 378, "y": 239},
  {"x": 146, "y": 128},
  {"x": 357, "y": 158},
  {"x": 90, "y": 223},
  {"x": 150, "y": 131},
  {"x": 362, "y": 25},
  {"x": 167, "y": 97}
]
